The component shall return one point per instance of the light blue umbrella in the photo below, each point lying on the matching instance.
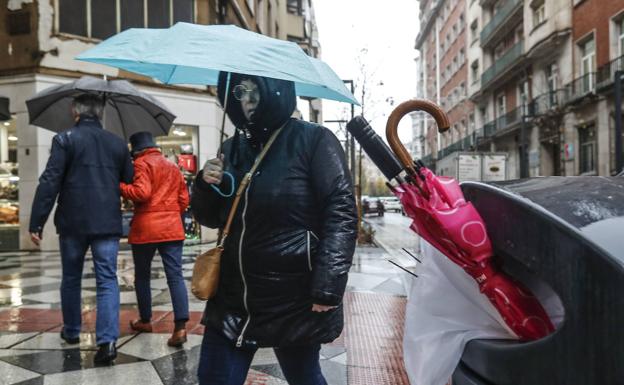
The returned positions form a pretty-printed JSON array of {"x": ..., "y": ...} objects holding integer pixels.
[{"x": 195, "y": 54}]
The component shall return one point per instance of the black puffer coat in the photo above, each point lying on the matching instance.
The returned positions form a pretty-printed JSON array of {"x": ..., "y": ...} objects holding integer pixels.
[{"x": 293, "y": 236}]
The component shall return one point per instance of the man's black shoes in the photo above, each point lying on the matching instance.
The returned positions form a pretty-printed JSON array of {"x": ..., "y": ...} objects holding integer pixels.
[
  {"x": 69, "y": 340},
  {"x": 106, "y": 353}
]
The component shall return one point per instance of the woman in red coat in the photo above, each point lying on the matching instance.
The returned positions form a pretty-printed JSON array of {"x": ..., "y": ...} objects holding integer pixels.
[{"x": 160, "y": 197}]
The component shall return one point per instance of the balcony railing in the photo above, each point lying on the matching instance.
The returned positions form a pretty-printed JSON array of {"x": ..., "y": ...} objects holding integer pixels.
[
  {"x": 606, "y": 73},
  {"x": 428, "y": 161},
  {"x": 465, "y": 144},
  {"x": 580, "y": 87},
  {"x": 512, "y": 117},
  {"x": 547, "y": 101},
  {"x": 503, "y": 63},
  {"x": 499, "y": 18}
]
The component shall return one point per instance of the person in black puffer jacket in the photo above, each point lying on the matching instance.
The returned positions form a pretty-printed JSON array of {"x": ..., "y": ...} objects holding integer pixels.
[{"x": 287, "y": 257}]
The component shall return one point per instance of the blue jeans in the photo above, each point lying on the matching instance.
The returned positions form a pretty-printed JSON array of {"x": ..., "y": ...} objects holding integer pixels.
[
  {"x": 104, "y": 250},
  {"x": 220, "y": 363},
  {"x": 171, "y": 254}
]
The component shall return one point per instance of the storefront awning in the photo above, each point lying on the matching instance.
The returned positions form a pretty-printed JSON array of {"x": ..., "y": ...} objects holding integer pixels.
[{"x": 4, "y": 109}]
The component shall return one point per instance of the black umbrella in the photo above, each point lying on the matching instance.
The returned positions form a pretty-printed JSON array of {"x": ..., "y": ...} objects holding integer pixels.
[{"x": 127, "y": 109}]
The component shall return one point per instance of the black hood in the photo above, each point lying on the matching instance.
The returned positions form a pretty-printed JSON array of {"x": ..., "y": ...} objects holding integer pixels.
[{"x": 277, "y": 103}]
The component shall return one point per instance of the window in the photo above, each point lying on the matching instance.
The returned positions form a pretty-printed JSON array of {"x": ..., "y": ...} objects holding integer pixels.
[
  {"x": 501, "y": 105},
  {"x": 587, "y": 149},
  {"x": 100, "y": 19},
  {"x": 462, "y": 57},
  {"x": 588, "y": 56},
  {"x": 474, "y": 71},
  {"x": 539, "y": 12},
  {"x": 523, "y": 95},
  {"x": 474, "y": 33},
  {"x": 294, "y": 7},
  {"x": 552, "y": 77},
  {"x": 620, "y": 31}
]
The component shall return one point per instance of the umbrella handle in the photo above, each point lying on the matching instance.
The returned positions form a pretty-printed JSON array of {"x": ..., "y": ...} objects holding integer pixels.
[{"x": 393, "y": 124}]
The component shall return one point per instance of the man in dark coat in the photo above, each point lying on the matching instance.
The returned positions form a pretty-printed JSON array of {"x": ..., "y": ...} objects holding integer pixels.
[
  {"x": 84, "y": 170},
  {"x": 286, "y": 260}
]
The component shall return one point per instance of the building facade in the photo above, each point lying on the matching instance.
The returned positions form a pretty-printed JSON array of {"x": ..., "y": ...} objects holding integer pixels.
[
  {"x": 443, "y": 72},
  {"x": 540, "y": 75},
  {"x": 39, "y": 43}
]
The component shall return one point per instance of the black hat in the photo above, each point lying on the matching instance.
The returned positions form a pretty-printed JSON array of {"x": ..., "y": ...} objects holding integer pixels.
[{"x": 140, "y": 141}]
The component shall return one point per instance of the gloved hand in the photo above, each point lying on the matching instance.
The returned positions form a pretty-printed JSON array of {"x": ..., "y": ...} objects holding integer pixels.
[{"x": 213, "y": 170}]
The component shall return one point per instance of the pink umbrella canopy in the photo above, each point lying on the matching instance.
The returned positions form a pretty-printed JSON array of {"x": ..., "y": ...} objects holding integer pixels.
[{"x": 441, "y": 215}]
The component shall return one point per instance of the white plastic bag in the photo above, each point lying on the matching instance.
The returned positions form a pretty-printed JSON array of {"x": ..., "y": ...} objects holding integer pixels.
[{"x": 444, "y": 311}]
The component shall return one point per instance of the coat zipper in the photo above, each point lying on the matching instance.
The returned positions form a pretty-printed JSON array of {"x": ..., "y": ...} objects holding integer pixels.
[
  {"x": 239, "y": 341},
  {"x": 309, "y": 250},
  {"x": 308, "y": 246}
]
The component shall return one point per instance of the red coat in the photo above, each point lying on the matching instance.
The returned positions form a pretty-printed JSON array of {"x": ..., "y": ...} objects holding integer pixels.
[{"x": 160, "y": 196}]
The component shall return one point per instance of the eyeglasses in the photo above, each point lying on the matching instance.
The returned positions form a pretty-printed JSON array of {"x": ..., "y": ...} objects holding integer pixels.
[{"x": 240, "y": 92}]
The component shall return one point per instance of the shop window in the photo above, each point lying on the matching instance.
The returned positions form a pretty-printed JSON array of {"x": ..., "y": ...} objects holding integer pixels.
[
  {"x": 73, "y": 17},
  {"x": 587, "y": 149},
  {"x": 158, "y": 14},
  {"x": 103, "y": 19},
  {"x": 106, "y": 18},
  {"x": 132, "y": 14},
  {"x": 9, "y": 186},
  {"x": 183, "y": 10}
]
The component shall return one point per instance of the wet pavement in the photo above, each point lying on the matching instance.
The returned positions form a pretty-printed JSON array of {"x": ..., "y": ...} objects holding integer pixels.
[{"x": 31, "y": 352}]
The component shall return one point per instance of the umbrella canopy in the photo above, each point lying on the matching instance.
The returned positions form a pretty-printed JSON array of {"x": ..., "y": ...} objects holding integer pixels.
[
  {"x": 195, "y": 54},
  {"x": 443, "y": 218},
  {"x": 127, "y": 109}
]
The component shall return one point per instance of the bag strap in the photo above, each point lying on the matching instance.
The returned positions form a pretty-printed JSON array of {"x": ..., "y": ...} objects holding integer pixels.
[{"x": 244, "y": 184}]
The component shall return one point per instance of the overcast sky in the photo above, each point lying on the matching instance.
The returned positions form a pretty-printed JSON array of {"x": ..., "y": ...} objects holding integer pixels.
[{"x": 386, "y": 31}]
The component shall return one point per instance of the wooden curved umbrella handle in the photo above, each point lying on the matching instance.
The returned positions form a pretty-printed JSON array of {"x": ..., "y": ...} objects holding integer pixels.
[{"x": 393, "y": 124}]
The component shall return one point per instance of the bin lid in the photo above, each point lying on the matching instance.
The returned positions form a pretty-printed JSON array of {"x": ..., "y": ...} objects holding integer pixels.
[{"x": 592, "y": 204}]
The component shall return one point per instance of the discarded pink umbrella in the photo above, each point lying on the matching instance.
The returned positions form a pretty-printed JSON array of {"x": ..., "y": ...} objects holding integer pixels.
[{"x": 443, "y": 218}]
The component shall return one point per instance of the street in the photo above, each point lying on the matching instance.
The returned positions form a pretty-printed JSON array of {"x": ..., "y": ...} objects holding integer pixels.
[{"x": 31, "y": 352}]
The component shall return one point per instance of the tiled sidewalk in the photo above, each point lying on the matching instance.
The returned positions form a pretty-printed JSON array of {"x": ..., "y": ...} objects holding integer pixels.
[{"x": 31, "y": 351}]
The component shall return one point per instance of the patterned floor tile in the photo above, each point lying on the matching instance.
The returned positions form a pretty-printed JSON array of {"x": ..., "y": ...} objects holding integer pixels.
[
  {"x": 136, "y": 373},
  {"x": 34, "y": 281},
  {"x": 179, "y": 368},
  {"x": 264, "y": 356},
  {"x": 151, "y": 346},
  {"x": 8, "y": 339},
  {"x": 58, "y": 361},
  {"x": 53, "y": 341},
  {"x": 54, "y": 296},
  {"x": 12, "y": 374}
]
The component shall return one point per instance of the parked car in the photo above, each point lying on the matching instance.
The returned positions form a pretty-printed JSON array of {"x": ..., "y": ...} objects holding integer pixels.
[
  {"x": 372, "y": 206},
  {"x": 392, "y": 204}
]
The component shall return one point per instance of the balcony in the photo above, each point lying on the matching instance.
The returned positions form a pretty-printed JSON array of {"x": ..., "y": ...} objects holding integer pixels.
[
  {"x": 548, "y": 101},
  {"x": 492, "y": 30},
  {"x": 503, "y": 124},
  {"x": 581, "y": 87},
  {"x": 502, "y": 64},
  {"x": 606, "y": 73},
  {"x": 465, "y": 144},
  {"x": 428, "y": 161}
]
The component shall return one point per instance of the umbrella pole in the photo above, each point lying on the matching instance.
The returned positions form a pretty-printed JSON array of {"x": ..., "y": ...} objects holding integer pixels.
[{"x": 225, "y": 103}]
